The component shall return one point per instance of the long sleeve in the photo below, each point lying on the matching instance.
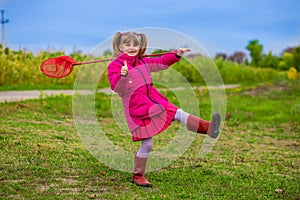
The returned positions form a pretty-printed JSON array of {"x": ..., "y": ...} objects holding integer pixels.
[
  {"x": 117, "y": 82},
  {"x": 162, "y": 62}
]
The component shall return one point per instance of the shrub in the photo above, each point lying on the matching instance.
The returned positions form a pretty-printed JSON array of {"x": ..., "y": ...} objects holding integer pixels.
[{"x": 293, "y": 74}]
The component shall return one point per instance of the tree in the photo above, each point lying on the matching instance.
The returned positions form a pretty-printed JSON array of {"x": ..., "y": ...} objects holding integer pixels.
[
  {"x": 269, "y": 61},
  {"x": 287, "y": 61},
  {"x": 237, "y": 57},
  {"x": 290, "y": 58},
  {"x": 222, "y": 56},
  {"x": 296, "y": 55},
  {"x": 107, "y": 53},
  {"x": 288, "y": 49},
  {"x": 255, "y": 52}
]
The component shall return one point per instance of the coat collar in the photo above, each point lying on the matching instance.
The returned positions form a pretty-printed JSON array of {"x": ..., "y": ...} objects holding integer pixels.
[{"x": 129, "y": 59}]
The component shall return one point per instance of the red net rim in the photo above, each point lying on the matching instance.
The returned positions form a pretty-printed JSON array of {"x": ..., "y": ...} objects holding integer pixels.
[{"x": 58, "y": 67}]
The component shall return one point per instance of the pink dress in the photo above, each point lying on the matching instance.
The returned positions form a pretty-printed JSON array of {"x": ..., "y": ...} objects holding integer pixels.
[{"x": 147, "y": 112}]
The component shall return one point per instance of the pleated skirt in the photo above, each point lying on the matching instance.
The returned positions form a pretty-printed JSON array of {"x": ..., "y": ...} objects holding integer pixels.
[{"x": 156, "y": 124}]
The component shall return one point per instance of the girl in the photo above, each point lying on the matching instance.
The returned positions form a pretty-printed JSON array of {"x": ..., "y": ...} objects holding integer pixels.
[{"x": 148, "y": 112}]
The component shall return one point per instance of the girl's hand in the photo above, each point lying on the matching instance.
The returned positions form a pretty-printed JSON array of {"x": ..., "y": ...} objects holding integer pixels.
[
  {"x": 181, "y": 51},
  {"x": 124, "y": 69}
]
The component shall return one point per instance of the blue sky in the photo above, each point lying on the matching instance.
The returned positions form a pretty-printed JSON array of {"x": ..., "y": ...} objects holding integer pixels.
[{"x": 218, "y": 25}]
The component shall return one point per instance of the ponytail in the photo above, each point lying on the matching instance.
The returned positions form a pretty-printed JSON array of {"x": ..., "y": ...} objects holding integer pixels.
[
  {"x": 116, "y": 43},
  {"x": 143, "y": 44}
]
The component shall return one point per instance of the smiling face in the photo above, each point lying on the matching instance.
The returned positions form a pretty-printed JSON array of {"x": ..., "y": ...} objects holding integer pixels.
[{"x": 130, "y": 48}]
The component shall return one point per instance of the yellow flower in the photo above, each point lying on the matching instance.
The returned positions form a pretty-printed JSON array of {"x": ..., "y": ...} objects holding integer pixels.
[{"x": 293, "y": 74}]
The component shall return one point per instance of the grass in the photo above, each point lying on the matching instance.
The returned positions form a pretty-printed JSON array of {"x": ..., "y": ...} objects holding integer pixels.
[
  {"x": 256, "y": 157},
  {"x": 36, "y": 87}
]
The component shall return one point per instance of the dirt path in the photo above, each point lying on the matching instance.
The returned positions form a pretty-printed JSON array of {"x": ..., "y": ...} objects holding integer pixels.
[{"x": 11, "y": 96}]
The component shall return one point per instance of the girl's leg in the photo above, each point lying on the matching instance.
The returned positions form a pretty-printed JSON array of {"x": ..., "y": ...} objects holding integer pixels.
[
  {"x": 140, "y": 162},
  {"x": 181, "y": 116},
  {"x": 199, "y": 125},
  {"x": 145, "y": 149}
]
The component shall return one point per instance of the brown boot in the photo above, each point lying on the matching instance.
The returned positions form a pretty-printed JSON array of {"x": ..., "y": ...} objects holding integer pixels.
[
  {"x": 139, "y": 172},
  {"x": 198, "y": 125}
]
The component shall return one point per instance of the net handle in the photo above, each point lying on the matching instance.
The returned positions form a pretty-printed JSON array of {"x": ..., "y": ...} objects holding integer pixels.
[
  {"x": 90, "y": 62},
  {"x": 160, "y": 54},
  {"x": 110, "y": 59}
]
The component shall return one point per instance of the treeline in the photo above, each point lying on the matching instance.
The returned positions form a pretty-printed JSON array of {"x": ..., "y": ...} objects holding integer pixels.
[
  {"x": 22, "y": 67},
  {"x": 289, "y": 58}
]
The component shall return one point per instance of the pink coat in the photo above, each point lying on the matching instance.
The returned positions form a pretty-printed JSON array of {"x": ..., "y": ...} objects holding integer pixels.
[{"x": 140, "y": 99}]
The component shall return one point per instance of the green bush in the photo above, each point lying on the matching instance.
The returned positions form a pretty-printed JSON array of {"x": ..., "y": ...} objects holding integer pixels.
[
  {"x": 23, "y": 68},
  {"x": 239, "y": 73}
]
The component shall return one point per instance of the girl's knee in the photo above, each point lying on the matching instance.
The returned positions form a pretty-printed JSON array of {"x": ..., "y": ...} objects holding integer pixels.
[{"x": 147, "y": 145}]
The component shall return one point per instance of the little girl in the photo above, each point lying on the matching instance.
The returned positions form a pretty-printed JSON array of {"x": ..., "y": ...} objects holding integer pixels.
[{"x": 148, "y": 112}]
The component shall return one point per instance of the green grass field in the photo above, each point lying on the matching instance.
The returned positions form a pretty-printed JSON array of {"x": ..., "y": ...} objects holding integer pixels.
[{"x": 256, "y": 156}]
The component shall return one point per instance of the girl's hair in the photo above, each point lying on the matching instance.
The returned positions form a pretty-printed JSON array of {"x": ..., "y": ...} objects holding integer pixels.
[{"x": 126, "y": 37}]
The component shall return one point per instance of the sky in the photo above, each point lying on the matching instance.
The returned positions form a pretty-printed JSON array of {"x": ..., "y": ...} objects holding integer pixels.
[{"x": 220, "y": 26}]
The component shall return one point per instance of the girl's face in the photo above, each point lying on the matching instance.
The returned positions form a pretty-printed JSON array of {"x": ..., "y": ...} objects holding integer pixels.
[{"x": 130, "y": 48}]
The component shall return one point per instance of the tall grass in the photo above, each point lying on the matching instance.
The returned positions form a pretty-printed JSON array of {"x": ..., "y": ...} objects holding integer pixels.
[
  {"x": 23, "y": 68},
  {"x": 239, "y": 73}
]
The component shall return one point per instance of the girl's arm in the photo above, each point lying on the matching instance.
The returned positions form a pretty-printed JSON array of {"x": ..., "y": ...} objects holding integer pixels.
[
  {"x": 118, "y": 83},
  {"x": 163, "y": 62}
]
